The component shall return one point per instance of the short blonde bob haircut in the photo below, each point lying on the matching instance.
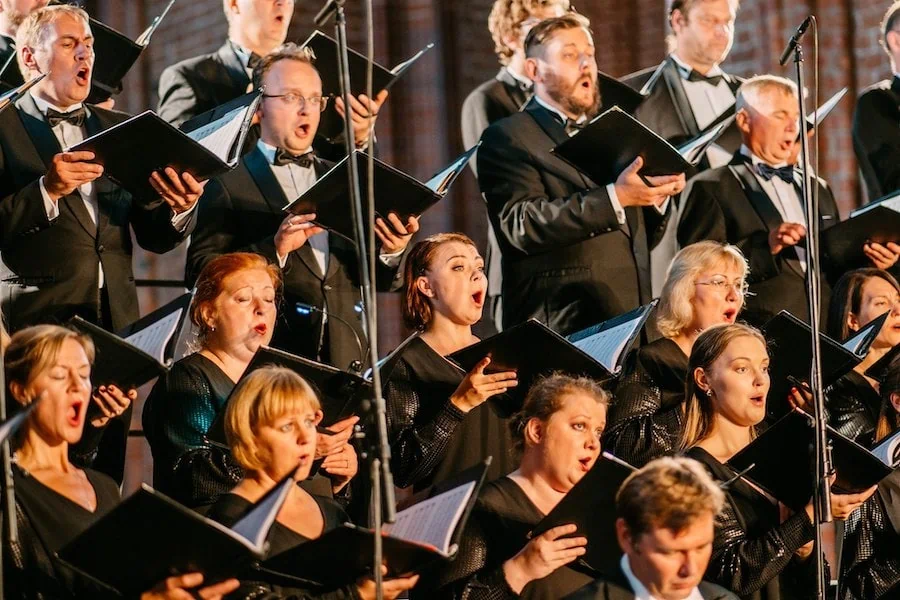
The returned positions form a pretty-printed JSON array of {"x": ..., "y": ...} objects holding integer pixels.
[
  {"x": 260, "y": 399},
  {"x": 32, "y": 351},
  {"x": 674, "y": 312}
]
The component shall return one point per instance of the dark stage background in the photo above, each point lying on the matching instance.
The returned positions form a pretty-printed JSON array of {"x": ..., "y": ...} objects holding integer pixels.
[{"x": 418, "y": 131}]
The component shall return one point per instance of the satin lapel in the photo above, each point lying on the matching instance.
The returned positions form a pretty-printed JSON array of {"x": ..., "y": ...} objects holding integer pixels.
[
  {"x": 233, "y": 66},
  {"x": 758, "y": 198},
  {"x": 93, "y": 125},
  {"x": 556, "y": 135},
  {"x": 47, "y": 147},
  {"x": 679, "y": 98}
]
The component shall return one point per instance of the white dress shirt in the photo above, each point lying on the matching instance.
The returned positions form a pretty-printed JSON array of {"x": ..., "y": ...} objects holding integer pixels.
[
  {"x": 784, "y": 196},
  {"x": 640, "y": 590},
  {"x": 68, "y": 135},
  {"x": 707, "y": 102}
]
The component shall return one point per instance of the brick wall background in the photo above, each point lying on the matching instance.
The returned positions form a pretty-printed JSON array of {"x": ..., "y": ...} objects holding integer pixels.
[{"x": 419, "y": 130}]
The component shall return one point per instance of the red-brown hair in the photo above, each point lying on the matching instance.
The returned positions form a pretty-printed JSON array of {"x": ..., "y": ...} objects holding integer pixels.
[
  {"x": 211, "y": 282},
  {"x": 416, "y": 309}
]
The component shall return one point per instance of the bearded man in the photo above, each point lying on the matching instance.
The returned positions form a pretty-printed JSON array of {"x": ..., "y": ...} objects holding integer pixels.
[{"x": 574, "y": 251}]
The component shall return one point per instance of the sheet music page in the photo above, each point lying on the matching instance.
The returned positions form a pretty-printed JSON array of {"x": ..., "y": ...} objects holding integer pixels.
[
  {"x": 892, "y": 203},
  {"x": 433, "y": 521},
  {"x": 154, "y": 338},
  {"x": 438, "y": 183},
  {"x": 255, "y": 525},
  {"x": 693, "y": 150},
  {"x": 824, "y": 110},
  {"x": 218, "y": 137},
  {"x": 888, "y": 451},
  {"x": 606, "y": 346}
]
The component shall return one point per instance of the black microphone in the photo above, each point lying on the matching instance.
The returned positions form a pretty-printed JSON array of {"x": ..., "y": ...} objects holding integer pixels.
[
  {"x": 305, "y": 309},
  {"x": 795, "y": 41}
]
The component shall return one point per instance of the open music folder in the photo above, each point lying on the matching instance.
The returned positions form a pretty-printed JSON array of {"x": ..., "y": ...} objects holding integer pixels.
[
  {"x": 609, "y": 342},
  {"x": 325, "y": 48},
  {"x": 207, "y": 145},
  {"x": 790, "y": 351},
  {"x": 780, "y": 461},
  {"x": 815, "y": 120},
  {"x": 591, "y": 506},
  {"x": 12, "y": 96},
  {"x": 879, "y": 370},
  {"x": 395, "y": 192},
  {"x": 340, "y": 393},
  {"x": 143, "y": 350},
  {"x": 149, "y": 537},
  {"x": 426, "y": 532},
  {"x": 617, "y": 93},
  {"x": 531, "y": 349},
  {"x": 877, "y": 221}
]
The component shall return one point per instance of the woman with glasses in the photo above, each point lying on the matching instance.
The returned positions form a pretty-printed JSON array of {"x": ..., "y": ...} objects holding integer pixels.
[
  {"x": 860, "y": 296},
  {"x": 705, "y": 286}
]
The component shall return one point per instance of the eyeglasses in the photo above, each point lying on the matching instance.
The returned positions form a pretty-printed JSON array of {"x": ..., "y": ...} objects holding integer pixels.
[
  {"x": 722, "y": 285},
  {"x": 291, "y": 99}
]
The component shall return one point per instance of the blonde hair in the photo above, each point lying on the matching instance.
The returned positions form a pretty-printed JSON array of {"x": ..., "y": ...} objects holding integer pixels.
[
  {"x": 260, "y": 399},
  {"x": 749, "y": 92},
  {"x": 699, "y": 414},
  {"x": 33, "y": 350},
  {"x": 668, "y": 493},
  {"x": 33, "y": 31},
  {"x": 508, "y": 15},
  {"x": 674, "y": 312}
]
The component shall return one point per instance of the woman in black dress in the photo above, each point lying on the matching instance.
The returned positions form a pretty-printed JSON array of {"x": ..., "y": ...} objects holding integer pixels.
[
  {"x": 853, "y": 402},
  {"x": 55, "y": 500},
  {"x": 438, "y": 421},
  {"x": 705, "y": 286},
  {"x": 871, "y": 559},
  {"x": 557, "y": 434},
  {"x": 234, "y": 311},
  {"x": 270, "y": 424},
  {"x": 758, "y": 552}
]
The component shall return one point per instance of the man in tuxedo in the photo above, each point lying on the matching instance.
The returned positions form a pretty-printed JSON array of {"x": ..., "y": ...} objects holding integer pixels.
[
  {"x": 665, "y": 527},
  {"x": 242, "y": 211},
  {"x": 506, "y": 93},
  {"x": 12, "y": 13},
  {"x": 754, "y": 203},
  {"x": 65, "y": 230},
  {"x": 255, "y": 28},
  {"x": 688, "y": 92},
  {"x": 876, "y": 119},
  {"x": 574, "y": 250}
]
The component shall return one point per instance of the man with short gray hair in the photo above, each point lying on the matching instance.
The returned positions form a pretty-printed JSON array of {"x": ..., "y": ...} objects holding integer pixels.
[{"x": 666, "y": 524}]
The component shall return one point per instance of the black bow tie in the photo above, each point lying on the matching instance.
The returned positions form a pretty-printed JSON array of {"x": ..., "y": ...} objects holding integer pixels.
[
  {"x": 573, "y": 126},
  {"x": 253, "y": 61},
  {"x": 75, "y": 117},
  {"x": 767, "y": 172},
  {"x": 285, "y": 158},
  {"x": 711, "y": 80}
]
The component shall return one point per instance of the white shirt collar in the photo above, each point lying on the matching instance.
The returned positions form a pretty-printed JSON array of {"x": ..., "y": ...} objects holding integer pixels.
[
  {"x": 242, "y": 53},
  {"x": 519, "y": 77},
  {"x": 558, "y": 112},
  {"x": 269, "y": 151},
  {"x": 640, "y": 590},
  {"x": 43, "y": 105},
  {"x": 686, "y": 69},
  {"x": 755, "y": 160}
]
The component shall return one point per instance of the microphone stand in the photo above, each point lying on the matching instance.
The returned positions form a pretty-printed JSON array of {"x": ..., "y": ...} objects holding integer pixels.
[
  {"x": 822, "y": 453},
  {"x": 379, "y": 456}
]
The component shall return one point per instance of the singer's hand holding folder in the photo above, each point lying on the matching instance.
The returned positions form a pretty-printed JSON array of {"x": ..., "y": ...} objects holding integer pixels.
[
  {"x": 150, "y": 537},
  {"x": 878, "y": 221},
  {"x": 206, "y": 146}
]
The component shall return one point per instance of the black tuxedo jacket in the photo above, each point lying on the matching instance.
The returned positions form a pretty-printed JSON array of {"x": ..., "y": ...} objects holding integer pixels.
[
  {"x": 729, "y": 205},
  {"x": 489, "y": 102},
  {"x": 618, "y": 588},
  {"x": 241, "y": 211},
  {"x": 58, "y": 260},
  {"x": 199, "y": 84},
  {"x": 566, "y": 259},
  {"x": 876, "y": 137},
  {"x": 667, "y": 111}
]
